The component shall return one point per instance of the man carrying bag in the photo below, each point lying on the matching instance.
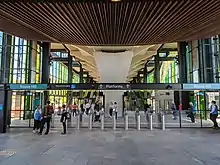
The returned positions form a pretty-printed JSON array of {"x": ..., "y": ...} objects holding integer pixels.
[{"x": 46, "y": 118}]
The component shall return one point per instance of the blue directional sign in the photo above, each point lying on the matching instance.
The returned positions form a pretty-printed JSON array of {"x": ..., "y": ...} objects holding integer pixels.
[
  {"x": 28, "y": 86},
  {"x": 202, "y": 86}
]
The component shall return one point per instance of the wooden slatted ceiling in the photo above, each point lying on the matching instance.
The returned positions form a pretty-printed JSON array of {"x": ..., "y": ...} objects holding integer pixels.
[{"x": 122, "y": 23}]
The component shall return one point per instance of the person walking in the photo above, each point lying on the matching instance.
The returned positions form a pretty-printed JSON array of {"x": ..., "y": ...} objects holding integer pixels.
[
  {"x": 111, "y": 109},
  {"x": 63, "y": 119},
  {"x": 46, "y": 118},
  {"x": 174, "y": 110},
  {"x": 59, "y": 112},
  {"x": 37, "y": 118},
  {"x": 214, "y": 114},
  {"x": 74, "y": 107},
  {"x": 191, "y": 112},
  {"x": 97, "y": 116},
  {"x": 88, "y": 106}
]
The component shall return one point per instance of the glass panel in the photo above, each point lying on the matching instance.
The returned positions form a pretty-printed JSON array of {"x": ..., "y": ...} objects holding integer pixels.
[
  {"x": 164, "y": 71},
  {"x": 162, "y": 54},
  {"x": 16, "y": 41},
  {"x": 150, "y": 77},
  {"x": 173, "y": 54}
]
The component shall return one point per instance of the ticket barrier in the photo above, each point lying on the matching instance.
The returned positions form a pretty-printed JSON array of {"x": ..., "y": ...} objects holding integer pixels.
[
  {"x": 138, "y": 120},
  {"x": 161, "y": 120},
  {"x": 149, "y": 118},
  {"x": 90, "y": 121},
  {"x": 78, "y": 121},
  {"x": 126, "y": 119},
  {"x": 114, "y": 121},
  {"x": 102, "y": 120}
]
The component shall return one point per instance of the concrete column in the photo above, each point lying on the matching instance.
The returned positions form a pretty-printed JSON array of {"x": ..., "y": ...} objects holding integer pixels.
[{"x": 113, "y": 68}]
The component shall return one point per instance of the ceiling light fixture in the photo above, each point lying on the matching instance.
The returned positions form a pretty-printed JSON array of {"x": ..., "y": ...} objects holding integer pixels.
[{"x": 115, "y": 0}]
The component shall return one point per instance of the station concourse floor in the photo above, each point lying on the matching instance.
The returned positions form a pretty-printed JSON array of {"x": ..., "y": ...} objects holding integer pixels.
[{"x": 83, "y": 147}]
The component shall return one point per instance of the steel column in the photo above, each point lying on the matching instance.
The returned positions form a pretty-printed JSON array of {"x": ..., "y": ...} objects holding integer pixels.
[{"x": 45, "y": 67}]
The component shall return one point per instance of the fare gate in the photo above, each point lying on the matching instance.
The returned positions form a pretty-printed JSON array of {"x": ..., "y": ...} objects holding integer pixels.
[{"x": 87, "y": 121}]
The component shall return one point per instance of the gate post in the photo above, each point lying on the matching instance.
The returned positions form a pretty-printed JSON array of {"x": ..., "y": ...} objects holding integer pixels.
[
  {"x": 138, "y": 120},
  {"x": 90, "y": 121},
  {"x": 102, "y": 120},
  {"x": 150, "y": 121},
  {"x": 163, "y": 121},
  {"x": 126, "y": 119},
  {"x": 78, "y": 120},
  {"x": 114, "y": 121}
]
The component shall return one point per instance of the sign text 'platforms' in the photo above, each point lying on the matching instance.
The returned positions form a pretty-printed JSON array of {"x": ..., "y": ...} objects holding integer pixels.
[
  {"x": 28, "y": 86},
  {"x": 114, "y": 86}
]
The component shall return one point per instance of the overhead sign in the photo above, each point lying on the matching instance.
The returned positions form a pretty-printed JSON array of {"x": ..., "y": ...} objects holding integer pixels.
[
  {"x": 60, "y": 86},
  {"x": 28, "y": 86},
  {"x": 114, "y": 86},
  {"x": 63, "y": 86},
  {"x": 153, "y": 86},
  {"x": 202, "y": 86},
  {"x": 108, "y": 86},
  {"x": 86, "y": 86}
]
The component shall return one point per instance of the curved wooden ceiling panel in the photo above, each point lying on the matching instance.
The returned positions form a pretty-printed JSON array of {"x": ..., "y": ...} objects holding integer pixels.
[{"x": 122, "y": 23}]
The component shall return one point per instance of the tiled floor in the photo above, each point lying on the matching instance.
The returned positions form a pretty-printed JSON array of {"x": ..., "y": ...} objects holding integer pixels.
[{"x": 170, "y": 147}]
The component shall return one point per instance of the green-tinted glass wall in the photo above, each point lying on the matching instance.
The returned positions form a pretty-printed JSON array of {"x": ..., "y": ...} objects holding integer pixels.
[{"x": 59, "y": 74}]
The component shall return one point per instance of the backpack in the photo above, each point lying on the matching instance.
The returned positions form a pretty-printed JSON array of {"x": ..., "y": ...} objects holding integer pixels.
[
  {"x": 51, "y": 110},
  {"x": 37, "y": 115}
]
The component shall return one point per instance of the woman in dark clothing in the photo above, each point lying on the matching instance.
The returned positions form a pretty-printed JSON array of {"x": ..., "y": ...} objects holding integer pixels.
[
  {"x": 191, "y": 112},
  {"x": 63, "y": 119}
]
